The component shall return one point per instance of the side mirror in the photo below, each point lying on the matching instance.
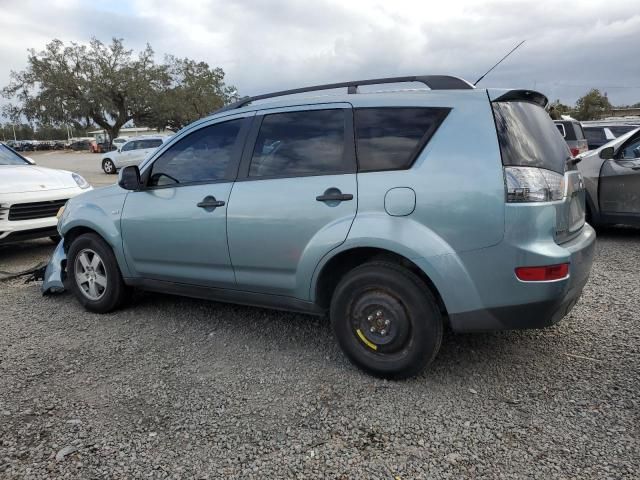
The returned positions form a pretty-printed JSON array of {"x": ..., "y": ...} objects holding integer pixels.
[
  {"x": 606, "y": 153},
  {"x": 30, "y": 160},
  {"x": 119, "y": 149},
  {"x": 129, "y": 178}
]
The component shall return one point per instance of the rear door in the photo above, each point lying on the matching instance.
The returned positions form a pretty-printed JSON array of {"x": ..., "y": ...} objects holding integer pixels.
[
  {"x": 620, "y": 180},
  {"x": 295, "y": 197}
]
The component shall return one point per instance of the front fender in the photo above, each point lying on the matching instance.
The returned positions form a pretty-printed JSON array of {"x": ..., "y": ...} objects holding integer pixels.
[
  {"x": 101, "y": 215},
  {"x": 417, "y": 243}
]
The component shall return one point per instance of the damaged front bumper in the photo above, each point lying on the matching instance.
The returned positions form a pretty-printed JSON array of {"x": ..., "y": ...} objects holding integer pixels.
[{"x": 54, "y": 274}]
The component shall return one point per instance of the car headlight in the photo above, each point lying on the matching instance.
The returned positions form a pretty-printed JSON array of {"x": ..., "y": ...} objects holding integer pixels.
[{"x": 82, "y": 183}]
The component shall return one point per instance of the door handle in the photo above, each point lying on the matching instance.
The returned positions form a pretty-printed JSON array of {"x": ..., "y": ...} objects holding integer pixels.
[
  {"x": 334, "y": 197},
  {"x": 210, "y": 203}
]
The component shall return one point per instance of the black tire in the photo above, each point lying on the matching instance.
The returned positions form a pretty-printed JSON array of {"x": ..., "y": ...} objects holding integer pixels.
[
  {"x": 108, "y": 166},
  {"x": 115, "y": 292},
  {"x": 399, "y": 348}
]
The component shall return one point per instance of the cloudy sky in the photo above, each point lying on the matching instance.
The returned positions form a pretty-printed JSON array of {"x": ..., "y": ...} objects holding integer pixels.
[{"x": 264, "y": 45}]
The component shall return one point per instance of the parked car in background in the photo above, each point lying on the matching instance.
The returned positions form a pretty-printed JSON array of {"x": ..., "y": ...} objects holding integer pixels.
[
  {"x": 572, "y": 132},
  {"x": 117, "y": 142},
  {"x": 363, "y": 205},
  {"x": 80, "y": 145},
  {"x": 612, "y": 177},
  {"x": 598, "y": 134},
  {"x": 131, "y": 152},
  {"x": 30, "y": 196}
]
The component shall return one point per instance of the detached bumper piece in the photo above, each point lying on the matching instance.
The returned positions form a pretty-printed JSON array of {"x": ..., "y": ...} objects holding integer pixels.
[{"x": 53, "y": 276}]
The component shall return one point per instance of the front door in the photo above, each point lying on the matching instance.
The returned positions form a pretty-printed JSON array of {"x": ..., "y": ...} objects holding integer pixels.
[
  {"x": 175, "y": 228},
  {"x": 620, "y": 180},
  {"x": 295, "y": 198}
]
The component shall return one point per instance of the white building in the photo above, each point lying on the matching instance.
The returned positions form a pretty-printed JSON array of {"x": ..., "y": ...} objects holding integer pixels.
[{"x": 101, "y": 136}]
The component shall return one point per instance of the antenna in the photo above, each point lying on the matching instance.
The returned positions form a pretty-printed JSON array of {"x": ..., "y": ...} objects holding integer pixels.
[{"x": 487, "y": 72}]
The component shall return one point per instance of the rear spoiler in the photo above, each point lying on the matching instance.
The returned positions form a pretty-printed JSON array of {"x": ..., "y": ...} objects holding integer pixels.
[{"x": 530, "y": 96}]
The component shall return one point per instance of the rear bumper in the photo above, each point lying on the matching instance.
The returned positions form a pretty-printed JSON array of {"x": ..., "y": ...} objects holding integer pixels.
[{"x": 549, "y": 301}]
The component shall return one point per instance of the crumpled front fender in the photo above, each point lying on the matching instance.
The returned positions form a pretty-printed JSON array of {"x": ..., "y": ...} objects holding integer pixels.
[{"x": 53, "y": 275}]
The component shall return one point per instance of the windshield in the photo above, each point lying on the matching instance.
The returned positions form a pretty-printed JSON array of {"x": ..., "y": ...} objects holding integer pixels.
[
  {"x": 9, "y": 157},
  {"x": 528, "y": 137}
]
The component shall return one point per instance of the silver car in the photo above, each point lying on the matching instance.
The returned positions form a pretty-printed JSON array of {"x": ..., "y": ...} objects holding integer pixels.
[
  {"x": 612, "y": 177},
  {"x": 132, "y": 152}
]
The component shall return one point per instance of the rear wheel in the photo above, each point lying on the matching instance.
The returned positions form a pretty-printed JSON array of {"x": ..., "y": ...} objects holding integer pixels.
[
  {"x": 386, "y": 320},
  {"x": 108, "y": 166},
  {"x": 94, "y": 275}
]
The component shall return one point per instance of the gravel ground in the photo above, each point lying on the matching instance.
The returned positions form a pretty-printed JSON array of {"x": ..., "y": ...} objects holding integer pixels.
[{"x": 178, "y": 388}]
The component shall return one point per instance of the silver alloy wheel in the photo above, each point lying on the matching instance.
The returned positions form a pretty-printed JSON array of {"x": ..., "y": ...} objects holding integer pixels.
[
  {"x": 108, "y": 166},
  {"x": 90, "y": 274}
]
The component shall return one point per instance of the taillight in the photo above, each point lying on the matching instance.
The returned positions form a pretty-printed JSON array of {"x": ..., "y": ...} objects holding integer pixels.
[
  {"x": 531, "y": 184},
  {"x": 574, "y": 151},
  {"x": 543, "y": 274}
]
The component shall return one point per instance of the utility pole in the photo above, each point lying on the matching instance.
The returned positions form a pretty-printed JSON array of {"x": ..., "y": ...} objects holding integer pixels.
[{"x": 14, "y": 132}]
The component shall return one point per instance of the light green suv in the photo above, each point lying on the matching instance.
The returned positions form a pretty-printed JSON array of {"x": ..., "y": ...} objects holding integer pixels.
[{"x": 396, "y": 213}]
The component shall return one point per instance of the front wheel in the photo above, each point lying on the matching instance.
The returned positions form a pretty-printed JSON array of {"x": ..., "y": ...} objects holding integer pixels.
[
  {"x": 386, "y": 320},
  {"x": 94, "y": 275},
  {"x": 108, "y": 166}
]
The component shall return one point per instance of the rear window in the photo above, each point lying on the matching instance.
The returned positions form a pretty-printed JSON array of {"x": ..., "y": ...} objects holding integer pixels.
[
  {"x": 391, "y": 138},
  {"x": 528, "y": 137}
]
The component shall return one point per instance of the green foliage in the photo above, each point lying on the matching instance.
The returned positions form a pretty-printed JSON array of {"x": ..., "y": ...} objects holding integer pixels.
[
  {"x": 108, "y": 86},
  {"x": 592, "y": 106},
  {"x": 195, "y": 91}
]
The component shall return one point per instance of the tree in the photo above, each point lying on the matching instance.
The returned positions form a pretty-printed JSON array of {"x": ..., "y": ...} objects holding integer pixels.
[
  {"x": 195, "y": 90},
  {"x": 100, "y": 84},
  {"x": 557, "y": 109},
  {"x": 592, "y": 106}
]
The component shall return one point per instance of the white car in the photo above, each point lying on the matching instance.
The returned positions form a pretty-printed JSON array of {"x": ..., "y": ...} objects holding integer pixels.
[
  {"x": 132, "y": 152},
  {"x": 30, "y": 196}
]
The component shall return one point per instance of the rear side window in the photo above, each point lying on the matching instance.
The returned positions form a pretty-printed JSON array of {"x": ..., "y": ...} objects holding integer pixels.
[
  {"x": 528, "y": 137},
  {"x": 561, "y": 129},
  {"x": 391, "y": 138},
  {"x": 621, "y": 129},
  {"x": 595, "y": 134},
  {"x": 301, "y": 143},
  {"x": 151, "y": 143}
]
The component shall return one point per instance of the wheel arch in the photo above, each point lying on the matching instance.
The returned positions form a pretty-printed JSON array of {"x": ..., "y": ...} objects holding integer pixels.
[{"x": 334, "y": 269}]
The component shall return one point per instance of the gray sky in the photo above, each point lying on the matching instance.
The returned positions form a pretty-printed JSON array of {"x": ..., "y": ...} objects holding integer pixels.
[{"x": 270, "y": 45}]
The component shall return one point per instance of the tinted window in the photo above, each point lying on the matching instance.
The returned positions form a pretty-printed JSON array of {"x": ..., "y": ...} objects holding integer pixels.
[
  {"x": 621, "y": 129},
  {"x": 390, "y": 138},
  {"x": 528, "y": 137},
  {"x": 300, "y": 143},
  {"x": 631, "y": 149},
  {"x": 8, "y": 157},
  {"x": 561, "y": 129},
  {"x": 202, "y": 156},
  {"x": 151, "y": 143},
  {"x": 594, "y": 134},
  {"x": 129, "y": 146}
]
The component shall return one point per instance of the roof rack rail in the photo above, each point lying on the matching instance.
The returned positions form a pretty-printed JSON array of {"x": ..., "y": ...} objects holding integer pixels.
[{"x": 434, "y": 82}]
